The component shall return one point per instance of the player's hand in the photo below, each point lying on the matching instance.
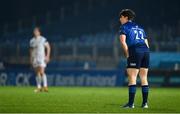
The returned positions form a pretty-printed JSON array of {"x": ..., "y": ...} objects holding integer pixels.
[
  {"x": 126, "y": 54},
  {"x": 47, "y": 59}
]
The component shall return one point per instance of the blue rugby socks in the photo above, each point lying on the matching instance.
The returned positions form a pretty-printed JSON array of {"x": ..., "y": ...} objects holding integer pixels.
[
  {"x": 145, "y": 91},
  {"x": 132, "y": 92}
]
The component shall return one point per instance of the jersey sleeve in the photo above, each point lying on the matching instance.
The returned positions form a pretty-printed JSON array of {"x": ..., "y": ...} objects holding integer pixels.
[
  {"x": 122, "y": 30},
  {"x": 31, "y": 43}
]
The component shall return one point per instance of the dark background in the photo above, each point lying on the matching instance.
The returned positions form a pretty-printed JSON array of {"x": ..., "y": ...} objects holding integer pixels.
[
  {"x": 154, "y": 13},
  {"x": 83, "y": 35}
]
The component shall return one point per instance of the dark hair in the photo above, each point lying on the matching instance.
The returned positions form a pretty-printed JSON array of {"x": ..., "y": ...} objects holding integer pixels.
[{"x": 127, "y": 13}]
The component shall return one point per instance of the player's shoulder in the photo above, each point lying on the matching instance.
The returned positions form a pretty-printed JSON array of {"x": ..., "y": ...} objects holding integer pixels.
[
  {"x": 32, "y": 40},
  {"x": 43, "y": 38},
  {"x": 127, "y": 25},
  {"x": 123, "y": 27},
  {"x": 140, "y": 27}
]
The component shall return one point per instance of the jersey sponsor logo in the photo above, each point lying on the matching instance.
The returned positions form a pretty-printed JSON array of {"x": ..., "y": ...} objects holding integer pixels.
[{"x": 132, "y": 64}]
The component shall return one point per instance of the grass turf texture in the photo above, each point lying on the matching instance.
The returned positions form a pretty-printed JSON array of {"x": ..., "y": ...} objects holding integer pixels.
[{"x": 85, "y": 99}]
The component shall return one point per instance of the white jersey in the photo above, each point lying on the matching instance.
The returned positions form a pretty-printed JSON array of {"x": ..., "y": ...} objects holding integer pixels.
[{"x": 38, "y": 51}]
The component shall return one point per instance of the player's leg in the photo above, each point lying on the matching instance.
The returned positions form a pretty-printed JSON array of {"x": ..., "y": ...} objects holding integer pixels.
[
  {"x": 38, "y": 79},
  {"x": 144, "y": 85},
  {"x": 132, "y": 72},
  {"x": 144, "y": 79},
  {"x": 44, "y": 79},
  {"x": 143, "y": 72},
  {"x": 132, "y": 76}
]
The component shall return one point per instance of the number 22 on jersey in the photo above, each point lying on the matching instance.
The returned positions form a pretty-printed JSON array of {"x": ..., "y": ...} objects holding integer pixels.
[{"x": 139, "y": 34}]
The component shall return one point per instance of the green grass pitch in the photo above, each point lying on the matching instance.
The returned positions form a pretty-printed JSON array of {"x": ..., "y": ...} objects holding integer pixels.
[{"x": 85, "y": 100}]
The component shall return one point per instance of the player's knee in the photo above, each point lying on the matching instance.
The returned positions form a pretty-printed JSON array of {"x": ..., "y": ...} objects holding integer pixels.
[
  {"x": 144, "y": 80},
  {"x": 41, "y": 73},
  {"x": 132, "y": 80},
  {"x": 132, "y": 83}
]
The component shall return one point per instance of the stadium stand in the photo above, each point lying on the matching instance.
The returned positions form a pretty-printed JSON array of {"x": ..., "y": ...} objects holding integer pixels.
[{"x": 78, "y": 35}]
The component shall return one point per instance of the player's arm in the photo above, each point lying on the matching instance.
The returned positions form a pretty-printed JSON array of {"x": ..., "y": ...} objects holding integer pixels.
[
  {"x": 147, "y": 43},
  {"x": 122, "y": 39},
  {"x": 48, "y": 51}
]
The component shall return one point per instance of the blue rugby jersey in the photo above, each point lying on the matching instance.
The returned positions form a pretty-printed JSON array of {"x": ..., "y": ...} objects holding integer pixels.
[{"x": 135, "y": 36}]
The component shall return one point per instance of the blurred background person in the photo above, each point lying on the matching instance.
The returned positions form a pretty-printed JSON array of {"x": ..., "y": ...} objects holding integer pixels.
[{"x": 39, "y": 57}]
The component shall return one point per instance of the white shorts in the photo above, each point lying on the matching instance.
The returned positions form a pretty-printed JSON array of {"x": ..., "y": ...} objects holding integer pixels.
[{"x": 38, "y": 63}]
